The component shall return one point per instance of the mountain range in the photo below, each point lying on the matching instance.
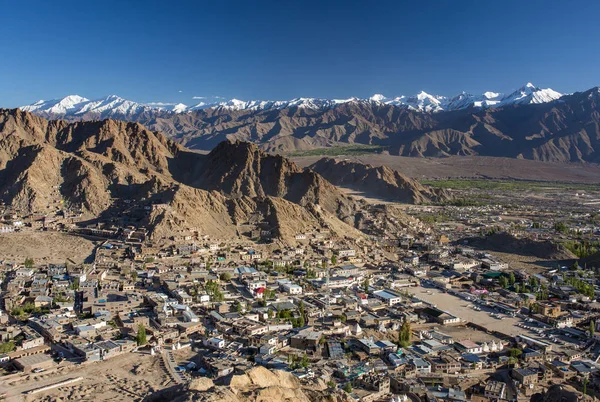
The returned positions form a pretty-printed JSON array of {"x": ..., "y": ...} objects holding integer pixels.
[
  {"x": 113, "y": 106},
  {"x": 529, "y": 123},
  {"x": 98, "y": 167}
]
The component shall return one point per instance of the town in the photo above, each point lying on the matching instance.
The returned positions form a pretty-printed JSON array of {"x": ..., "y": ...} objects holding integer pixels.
[{"x": 412, "y": 311}]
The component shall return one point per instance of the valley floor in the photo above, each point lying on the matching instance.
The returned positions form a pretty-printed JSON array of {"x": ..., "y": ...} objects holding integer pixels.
[{"x": 475, "y": 167}]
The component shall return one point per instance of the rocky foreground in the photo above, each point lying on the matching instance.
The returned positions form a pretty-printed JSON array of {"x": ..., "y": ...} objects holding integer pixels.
[{"x": 258, "y": 384}]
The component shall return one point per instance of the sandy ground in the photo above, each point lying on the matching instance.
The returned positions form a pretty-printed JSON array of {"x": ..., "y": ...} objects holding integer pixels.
[
  {"x": 476, "y": 167},
  {"x": 464, "y": 310},
  {"x": 46, "y": 247},
  {"x": 129, "y": 377}
]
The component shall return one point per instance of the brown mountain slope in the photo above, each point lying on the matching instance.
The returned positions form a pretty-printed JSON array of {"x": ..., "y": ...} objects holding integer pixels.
[
  {"x": 99, "y": 166},
  {"x": 241, "y": 168},
  {"x": 378, "y": 182}
]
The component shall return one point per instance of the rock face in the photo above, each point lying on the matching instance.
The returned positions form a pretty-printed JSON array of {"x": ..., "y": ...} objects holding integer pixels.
[
  {"x": 97, "y": 166},
  {"x": 258, "y": 384},
  {"x": 380, "y": 182}
]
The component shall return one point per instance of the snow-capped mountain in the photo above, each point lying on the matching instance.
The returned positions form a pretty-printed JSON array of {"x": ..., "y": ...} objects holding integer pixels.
[
  {"x": 465, "y": 100},
  {"x": 57, "y": 106},
  {"x": 529, "y": 93},
  {"x": 75, "y": 106}
]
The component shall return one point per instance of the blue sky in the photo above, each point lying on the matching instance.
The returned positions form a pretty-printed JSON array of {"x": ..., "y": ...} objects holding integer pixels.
[{"x": 151, "y": 50}]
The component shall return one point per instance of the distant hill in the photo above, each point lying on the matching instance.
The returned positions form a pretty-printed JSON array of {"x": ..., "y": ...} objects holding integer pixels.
[
  {"x": 380, "y": 182},
  {"x": 506, "y": 243}
]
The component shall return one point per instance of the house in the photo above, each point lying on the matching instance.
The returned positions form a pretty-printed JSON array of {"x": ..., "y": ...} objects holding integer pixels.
[
  {"x": 388, "y": 296},
  {"x": 347, "y": 253},
  {"x": 524, "y": 376},
  {"x": 306, "y": 339},
  {"x": 468, "y": 346},
  {"x": 421, "y": 366},
  {"x": 31, "y": 338},
  {"x": 33, "y": 362},
  {"x": 440, "y": 316},
  {"x": 495, "y": 390},
  {"x": 42, "y": 301},
  {"x": 287, "y": 286},
  {"x": 366, "y": 346},
  {"x": 24, "y": 272},
  {"x": 215, "y": 343}
]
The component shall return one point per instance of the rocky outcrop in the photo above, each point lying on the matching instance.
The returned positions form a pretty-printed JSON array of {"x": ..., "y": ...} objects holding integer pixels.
[
  {"x": 561, "y": 393},
  {"x": 258, "y": 384}
]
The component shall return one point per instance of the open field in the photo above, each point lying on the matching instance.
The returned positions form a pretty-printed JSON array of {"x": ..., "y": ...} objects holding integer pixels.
[
  {"x": 482, "y": 167},
  {"x": 128, "y": 377},
  {"x": 44, "y": 247},
  {"x": 464, "y": 310}
]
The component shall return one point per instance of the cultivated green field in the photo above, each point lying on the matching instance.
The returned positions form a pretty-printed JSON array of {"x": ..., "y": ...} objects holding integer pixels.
[
  {"x": 508, "y": 185},
  {"x": 341, "y": 150}
]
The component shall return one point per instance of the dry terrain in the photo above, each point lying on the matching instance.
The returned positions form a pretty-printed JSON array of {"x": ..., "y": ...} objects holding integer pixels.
[
  {"x": 128, "y": 377},
  {"x": 464, "y": 310},
  {"x": 44, "y": 247},
  {"x": 475, "y": 167}
]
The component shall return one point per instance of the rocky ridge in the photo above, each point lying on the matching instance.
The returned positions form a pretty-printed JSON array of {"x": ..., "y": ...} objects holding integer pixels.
[
  {"x": 97, "y": 166},
  {"x": 380, "y": 182}
]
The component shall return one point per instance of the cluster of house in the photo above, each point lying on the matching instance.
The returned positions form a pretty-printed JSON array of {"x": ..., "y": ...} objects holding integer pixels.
[{"x": 316, "y": 308}]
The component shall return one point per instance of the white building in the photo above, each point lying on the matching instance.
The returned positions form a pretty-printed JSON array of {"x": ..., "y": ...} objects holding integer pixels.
[
  {"x": 388, "y": 296},
  {"x": 216, "y": 343}
]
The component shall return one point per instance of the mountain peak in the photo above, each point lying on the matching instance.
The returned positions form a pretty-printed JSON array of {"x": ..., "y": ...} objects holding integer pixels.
[
  {"x": 378, "y": 98},
  {"x": 114, "y": 106}
]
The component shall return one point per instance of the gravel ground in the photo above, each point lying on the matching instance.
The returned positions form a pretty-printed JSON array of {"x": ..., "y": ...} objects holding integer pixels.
[{"x": 464, "y": 310}]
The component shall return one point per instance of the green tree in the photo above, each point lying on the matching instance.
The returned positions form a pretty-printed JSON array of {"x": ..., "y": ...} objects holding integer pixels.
[
  {"x": 592, "y": 328},
  {"x": 331, "y": 384},
  {"x": 304, "y": 361},
  {"x": 348, "y": 387},
  {"x": 140, "y": 338},
  {"x": 517, "y": 288},
  {"x": 7, "y": 347},
  {"x": 238, "y": 307},
  {"x": 561, "y": 227},
  {"x": 585, "y": 383},
  {"x": 366, "y": 284},
  {"x": 511, "y": 278},
  {"x": 225, "y": 276},
  {"x": 514, "y": 353},
  {"x": 28, "y": 262},
  {"x": 503, "y": 281},
  {"x": 333, "y": 259},
  {"x": 404, "y": 335},
  {"x": 134, "y": 275}
]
